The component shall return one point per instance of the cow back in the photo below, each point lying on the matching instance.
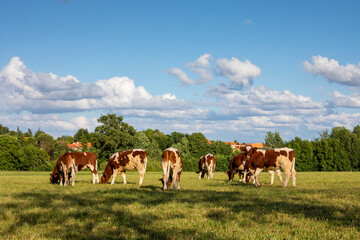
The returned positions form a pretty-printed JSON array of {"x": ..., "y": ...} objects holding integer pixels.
[
  {"x": 172, "y": 156},
  {"x": 84, "y": 159}
]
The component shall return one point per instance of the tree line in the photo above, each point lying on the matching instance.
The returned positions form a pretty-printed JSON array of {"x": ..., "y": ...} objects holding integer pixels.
[{"x": 338, "y": 150}]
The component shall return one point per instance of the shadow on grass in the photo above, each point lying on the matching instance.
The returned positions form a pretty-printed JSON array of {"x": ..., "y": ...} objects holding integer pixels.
[{"x": 109, "y": 213}]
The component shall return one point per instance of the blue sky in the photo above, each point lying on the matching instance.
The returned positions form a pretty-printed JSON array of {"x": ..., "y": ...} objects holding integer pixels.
[{"x": 229, "y": 69}]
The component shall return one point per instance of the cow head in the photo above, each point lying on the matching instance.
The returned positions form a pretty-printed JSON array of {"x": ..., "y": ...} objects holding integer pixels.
[
  {"x": 249, "y": 151},
  {"x": 54, "y": 178},
  {"x": 104, "y": 178}
]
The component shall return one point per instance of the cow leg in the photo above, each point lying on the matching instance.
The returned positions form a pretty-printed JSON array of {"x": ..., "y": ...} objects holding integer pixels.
[
  {"x": 231, "y": 175},
  {"x": 271, "y": 172},
  {"x": 245, "y": 173},
  {"x": 287, "y": 178},
  {"x": 239, "y": 176},
  {"x": 123, "y": 174},
  {"x": 256, "y": 176},
  {"x": 175, "y": 178},
  {"x": 142, "y": 175},
  {"x": 61, "y": 177},
  {"x": 166, "y": 181},
  {"x": 66, "y": 176},
  {"x": 174, "y": 181},
  {"x": 73, "y": 175},
  {"x": 97, "y": 178},
  {"x": 114, "y": 176},
  {"x": 93, "y": 174},
  {"x": 293, "y": 175},
  {"x": 178, "y": 180},
  {"x": 278, "y": 172}
]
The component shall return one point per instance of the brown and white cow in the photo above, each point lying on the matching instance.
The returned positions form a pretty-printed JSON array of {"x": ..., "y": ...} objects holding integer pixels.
[
  {"x": 271, "y": 172},
  {"x": 236, "y": 165},
  {"x": 126, "y": 160},
  {"x": 207, "y": 165},
  {"x": 272, "y": 160},
  {"x": 82, "y": 160},
  {"x": 64, "y": 166},
  {"x": 172, "y": 167}
]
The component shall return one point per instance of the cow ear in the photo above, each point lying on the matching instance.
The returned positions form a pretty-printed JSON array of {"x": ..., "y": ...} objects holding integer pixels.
[{"x": 160, "y": 179}]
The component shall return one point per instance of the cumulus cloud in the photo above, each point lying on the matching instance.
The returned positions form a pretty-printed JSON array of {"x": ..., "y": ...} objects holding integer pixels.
[
  {"x": 340, "y": 100},
  {"x": 200, "y": 66},
  {"x": 23, "y": 90},
  {"x": 182, "y": 76},
  {"x": 51, "y": 123},
  {"x": 203, "y": 62},
  {"x": 261, "y": 100},
  {"x": 333, "y": 71},
  {"x": 241, "y": 74}
]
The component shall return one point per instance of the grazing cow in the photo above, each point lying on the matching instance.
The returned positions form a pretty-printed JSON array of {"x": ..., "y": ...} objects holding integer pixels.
[
  {"x": 271, "y": 172},
  {"x": 236, "y": 165},
  {"x": 82, "y": 160},
  {"x": 207, "y": 165},
  {"x": 64, "y": 166},
  {"x": 273, "y": 160},
  {"x": 126, "y": 160},
  {"x": 172, "y": 167}
]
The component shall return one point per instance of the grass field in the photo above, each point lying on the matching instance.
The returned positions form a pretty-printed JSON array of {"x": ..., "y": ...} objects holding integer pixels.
[{"x": 324, "y": 205}]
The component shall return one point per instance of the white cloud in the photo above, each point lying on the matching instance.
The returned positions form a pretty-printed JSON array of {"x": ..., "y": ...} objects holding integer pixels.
[
  {"x": 200, "y": 66},
  {"x": 23, "y": 90},
  {"x": 203, "y": 62},
  {"x": 50, "y": 123},
  {"x": 262, "y": 101},
  {"x": 333, "y": 71},
  {"x": 340, "y": 100},
  {"x": 227, "y": 113},
  {"x": 241, "y": 74},
  {"x": 182, "y": 76}
]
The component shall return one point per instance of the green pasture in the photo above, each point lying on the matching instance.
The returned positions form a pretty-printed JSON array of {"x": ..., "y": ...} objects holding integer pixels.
[{"x": 324, "y": 205}]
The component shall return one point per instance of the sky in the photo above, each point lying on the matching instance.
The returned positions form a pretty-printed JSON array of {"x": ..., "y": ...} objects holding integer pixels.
[{"x": 232, "y": 70}]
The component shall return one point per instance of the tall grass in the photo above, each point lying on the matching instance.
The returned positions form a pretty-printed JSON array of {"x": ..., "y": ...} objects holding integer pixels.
[{"x": 324, "y": 205}]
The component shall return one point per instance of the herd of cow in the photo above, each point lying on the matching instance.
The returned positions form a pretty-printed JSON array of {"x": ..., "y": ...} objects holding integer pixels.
[{"x": 248, "y": 164}]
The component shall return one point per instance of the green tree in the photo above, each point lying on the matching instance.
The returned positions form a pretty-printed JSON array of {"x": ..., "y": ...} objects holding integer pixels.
[
  {"x": 175, "y": 137},
  {"x": 198, "y": 145},
  {"x": 112, "y": 135},
  {"x": 47, "y": 143},
  {"x": 273, "y": 140},
  {"x": 162, "y": 139},
  {"x": 220, "y": 148},
  {"x": 190, "y": 163},
  {"x": 11, "y": 154},
  {"x": 29, "y": 133},
  {"x": 4, "y": 130},
  {"x": 82, "y": 135}
]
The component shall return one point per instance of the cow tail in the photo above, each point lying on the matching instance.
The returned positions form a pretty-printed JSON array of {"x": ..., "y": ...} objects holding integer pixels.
[{"x": 168, "y": 166}]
